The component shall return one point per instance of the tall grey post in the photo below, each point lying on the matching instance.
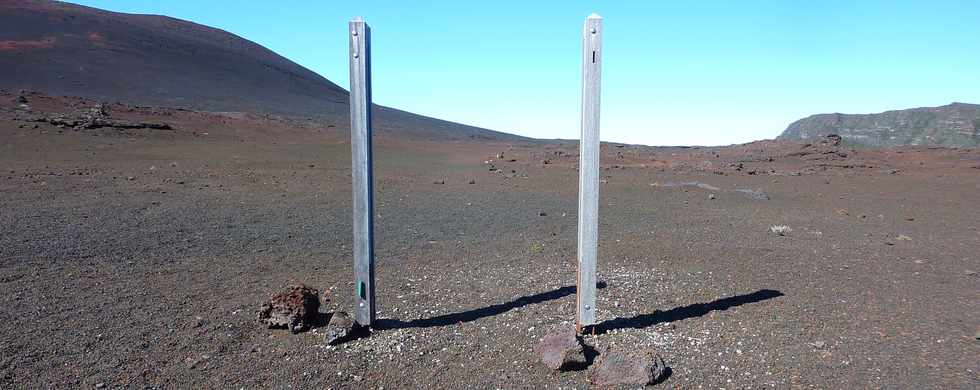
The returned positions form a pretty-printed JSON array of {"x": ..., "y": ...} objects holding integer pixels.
[
  {"x": 362, "y": 175},
  {"x": 588, "y": 187}
]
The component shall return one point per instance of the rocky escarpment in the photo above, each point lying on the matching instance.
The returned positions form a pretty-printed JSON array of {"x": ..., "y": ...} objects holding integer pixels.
[{"x": 953, "y": 125}]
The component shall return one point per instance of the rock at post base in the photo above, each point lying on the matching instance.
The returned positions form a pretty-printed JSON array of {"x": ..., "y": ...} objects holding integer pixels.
[
  {"x": 561, "y": 350},
  {"x": 635, "y": 367},
  {"x": 340, "y": 327},
  {"x": 295, "y": 309}
]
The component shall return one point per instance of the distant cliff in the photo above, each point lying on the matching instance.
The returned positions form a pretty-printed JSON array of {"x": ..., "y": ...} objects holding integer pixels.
[{"x": 953, "y": 125}]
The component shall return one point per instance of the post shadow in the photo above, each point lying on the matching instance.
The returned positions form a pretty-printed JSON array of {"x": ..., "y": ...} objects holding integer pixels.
[
  {"x": 475, "y": 314},
  {"x": 684, "y": 312},
  {"x": 635, "y": 322}
]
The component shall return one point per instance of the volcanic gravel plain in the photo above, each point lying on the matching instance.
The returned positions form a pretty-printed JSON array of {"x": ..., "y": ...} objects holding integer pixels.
[{"x": 138, "y": 256}]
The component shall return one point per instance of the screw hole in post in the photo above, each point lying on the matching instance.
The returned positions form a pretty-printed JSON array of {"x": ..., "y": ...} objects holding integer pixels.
[
  {"x": 361, "y": 290},
  {"x": 357, "y": 46},
  {"x": 593, "y": 56}
]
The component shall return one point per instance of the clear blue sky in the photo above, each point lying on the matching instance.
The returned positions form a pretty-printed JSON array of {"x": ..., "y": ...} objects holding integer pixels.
[{"x": 675, "y": 73}]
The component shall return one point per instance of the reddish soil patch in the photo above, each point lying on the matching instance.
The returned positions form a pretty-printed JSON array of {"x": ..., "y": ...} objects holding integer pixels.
[{"x": 46, "y": 43}]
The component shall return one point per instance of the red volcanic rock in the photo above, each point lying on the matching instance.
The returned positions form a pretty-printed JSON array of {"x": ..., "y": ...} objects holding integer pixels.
[
  {"x": 561, "y": 350},
  {"x": 295, "y": 309},
  {"x": 624, "y": 368}
]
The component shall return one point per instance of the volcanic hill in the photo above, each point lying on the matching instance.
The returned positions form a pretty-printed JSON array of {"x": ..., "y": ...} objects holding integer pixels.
[{"x": 66, "y": 49}]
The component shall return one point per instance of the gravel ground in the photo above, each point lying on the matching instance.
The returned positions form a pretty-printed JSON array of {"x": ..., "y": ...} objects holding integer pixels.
[{"x": 139, "y": 259}]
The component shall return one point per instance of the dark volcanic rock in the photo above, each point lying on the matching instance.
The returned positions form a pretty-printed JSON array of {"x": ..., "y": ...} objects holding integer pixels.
[
  {"x": 832, "y": 139},
  {"x": 87, "y": 122},
  {"x": 634, "y": 367},
  {"x": 295, "y": 309},
  {"x": 561, "y": 350},
  {"x": 340, "y": 327},
  {"x": 21, "y": 99}
]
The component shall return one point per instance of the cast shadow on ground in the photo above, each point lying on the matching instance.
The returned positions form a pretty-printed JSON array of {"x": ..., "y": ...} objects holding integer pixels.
[
  {"x": 663, "y": 377},
  {"x": 475, "y": 314},
  {"x": 590, "y": 354},
  {"x": 684, "y": 312},
  {"x": 321, "y": 320}
]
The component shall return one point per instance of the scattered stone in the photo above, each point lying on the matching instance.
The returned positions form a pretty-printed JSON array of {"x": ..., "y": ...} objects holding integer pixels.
[
  {"x": 295, "y": 309},
  {"x": 472, "y": 181},
  {"x": 902, "y": 237},
  {"x": 703, "y": 186},
  {"x": 542, "y": 214},
  {"x": 439, "y": 182},
  {"x": 100, "y": 385},
  {"x": 341, "y": 326},
  {"x": 561, "y": 350},
  {"x": 970, "y": 273},
  {"x": 711, "y": 196},
  {"x": 97, "y": 117},
  {"x": 627, "y": 368},
  {"x": 21, "y": 99},
  {"x": 818, "y": 344},
  {"x": 754, "y": 194},
  {"x": 193, "y": 363},
  {"x": 198, "y": 322},
  {"x": 780, "y": 230}
]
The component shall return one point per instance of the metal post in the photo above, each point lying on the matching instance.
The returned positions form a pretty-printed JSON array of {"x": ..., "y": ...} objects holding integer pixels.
[
  {"x": 361, "y": 173},
  {"x": 588, "y": 190}
]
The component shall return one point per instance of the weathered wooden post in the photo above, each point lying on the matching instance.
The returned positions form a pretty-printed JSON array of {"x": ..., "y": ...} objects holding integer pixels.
[
  {"x": 362, "y": 172},
  {"x": 588, "y": 187}
]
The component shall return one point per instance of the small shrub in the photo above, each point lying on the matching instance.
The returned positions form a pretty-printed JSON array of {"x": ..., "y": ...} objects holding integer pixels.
[{"x": 536, "y": 248}]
